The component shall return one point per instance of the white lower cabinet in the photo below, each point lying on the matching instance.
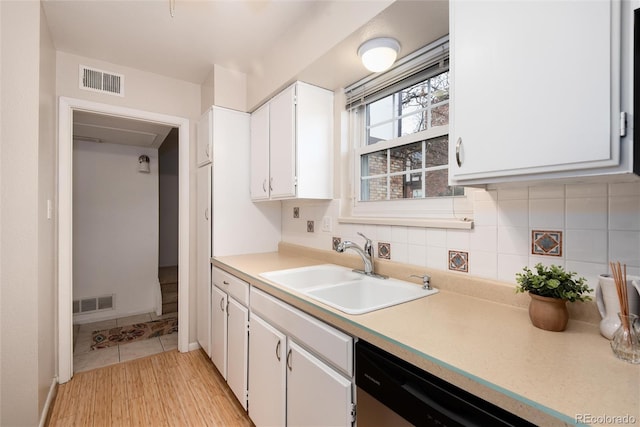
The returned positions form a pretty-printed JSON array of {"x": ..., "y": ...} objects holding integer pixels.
[
  {"x": 219, "y": 330},
  {"x": 267, "y": 373},
  {"x": 229, "y": 336},
  {"x": 316, "y": 394},
  {"x": 237, "y": 349},
  {"x": 300, "y": 369}
]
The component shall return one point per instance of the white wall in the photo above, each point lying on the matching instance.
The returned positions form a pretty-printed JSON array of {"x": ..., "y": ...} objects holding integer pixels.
[
  {"x": 27, "y": 353},
  {"x": 115, "y": 227},
  {"x": 224, "y": 88},
  {"x": 148, "y": 92},
  {"x": 300, "y": 45},
  {"x": 47, "y": 254},
  {"x": 168, "y": 161},
  {"x": 599, "y": 222}
]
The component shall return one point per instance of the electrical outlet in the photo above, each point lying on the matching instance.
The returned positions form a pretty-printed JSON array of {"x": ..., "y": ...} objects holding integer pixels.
[{"x": 326, "y": 224}]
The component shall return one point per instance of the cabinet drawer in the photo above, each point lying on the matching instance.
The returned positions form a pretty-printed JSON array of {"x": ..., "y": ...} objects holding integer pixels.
[
  {"x": 238, "y": 289},
  {"x": 327, "y": 342}
]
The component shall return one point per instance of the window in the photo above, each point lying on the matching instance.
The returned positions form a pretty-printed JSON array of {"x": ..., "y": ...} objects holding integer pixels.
[
  {"x": 414, "y": 163},
  {"x": 400, "y": 137}
]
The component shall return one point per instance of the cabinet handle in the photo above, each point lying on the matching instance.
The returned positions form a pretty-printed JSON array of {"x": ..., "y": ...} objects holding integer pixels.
[
  {"x": 278, "y": 351},
  {"x": 224, "y": 282},
  {"x": 289, "y": 360},
  {"x": 271, "y": 184},
  {"x": 264, "y": 185},
  {"x": 458, "y": 147},
  {"x": 222, "y": 304},
  {"x": 206, "y": 214}
]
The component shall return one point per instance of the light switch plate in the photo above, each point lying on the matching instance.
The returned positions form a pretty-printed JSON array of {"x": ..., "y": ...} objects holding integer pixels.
[{"x": 326, "y": 224}]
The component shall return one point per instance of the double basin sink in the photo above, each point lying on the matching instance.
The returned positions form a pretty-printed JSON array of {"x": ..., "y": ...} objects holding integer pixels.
[{"x": 346, "y": 290}]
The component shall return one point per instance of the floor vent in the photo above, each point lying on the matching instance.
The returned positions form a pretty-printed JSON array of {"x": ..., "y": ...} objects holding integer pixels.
[
  {"x": 87, "y": 305},
  {"x": 101, "y": 81}
]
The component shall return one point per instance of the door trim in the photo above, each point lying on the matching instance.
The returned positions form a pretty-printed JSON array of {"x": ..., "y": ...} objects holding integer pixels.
[{"x": 65, "y": 220}]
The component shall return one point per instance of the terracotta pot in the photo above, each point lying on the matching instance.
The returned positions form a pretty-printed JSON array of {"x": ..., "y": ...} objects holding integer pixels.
[{"x": 546, "y": 313}]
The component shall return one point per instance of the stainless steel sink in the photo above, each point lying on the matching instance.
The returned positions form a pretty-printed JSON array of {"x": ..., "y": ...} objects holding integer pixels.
[{"x": 345, "y": 290}]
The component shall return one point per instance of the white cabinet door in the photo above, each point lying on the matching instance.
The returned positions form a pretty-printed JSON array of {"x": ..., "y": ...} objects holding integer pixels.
[
  {"x": 267, "y": 374},
  {"x": 237, "y": 348},
  {"x": 316, "y": 394},
  {"x": 282, "y": 138},
  {"x": 204, "y": 139},
  {"x": 203, "y": 256},
  {"x": 535, "y": 88},
  {"x": 260, "y": 153},
  {"x": 219, "y": 330}
]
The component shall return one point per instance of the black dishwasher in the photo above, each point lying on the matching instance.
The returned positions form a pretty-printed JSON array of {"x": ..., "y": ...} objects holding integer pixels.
[{"x": 394, "y": 388}]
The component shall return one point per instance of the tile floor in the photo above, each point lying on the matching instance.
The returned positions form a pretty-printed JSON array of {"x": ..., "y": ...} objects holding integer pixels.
[{"x": 85, "y": 359}]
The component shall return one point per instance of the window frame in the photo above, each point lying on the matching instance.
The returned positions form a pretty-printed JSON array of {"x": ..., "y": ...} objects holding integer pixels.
[{"x": 439, "y": 212}]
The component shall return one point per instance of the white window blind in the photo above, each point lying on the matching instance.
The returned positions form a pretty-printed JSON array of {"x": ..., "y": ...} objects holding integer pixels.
[{"x": 418, "y": 66}]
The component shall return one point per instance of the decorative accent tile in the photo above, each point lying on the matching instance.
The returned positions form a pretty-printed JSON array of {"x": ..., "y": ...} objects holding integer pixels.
[
  {"x": 547, "y": 243},
  {"x": 384, "y": 250},
  {"x": 335, "y": 242},
  {"x": 296, "y": 212},
  {"x": 459, "y": 261},
  {"x": 310, "y": 227}
]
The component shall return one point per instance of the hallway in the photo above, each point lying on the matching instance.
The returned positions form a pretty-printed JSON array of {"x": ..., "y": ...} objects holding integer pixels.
[{"x": 84, "y": 358}]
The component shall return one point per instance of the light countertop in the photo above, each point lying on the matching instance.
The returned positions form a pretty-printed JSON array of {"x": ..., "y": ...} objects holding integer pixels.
[{"x": 488, "y": 348}]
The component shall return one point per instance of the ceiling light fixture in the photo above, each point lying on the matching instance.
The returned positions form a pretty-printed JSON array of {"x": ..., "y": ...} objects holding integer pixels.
[{"x": 379, "y": 54}]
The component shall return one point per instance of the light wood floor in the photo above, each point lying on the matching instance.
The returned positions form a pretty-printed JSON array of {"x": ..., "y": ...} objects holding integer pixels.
[{"x": 166, "y": 389}]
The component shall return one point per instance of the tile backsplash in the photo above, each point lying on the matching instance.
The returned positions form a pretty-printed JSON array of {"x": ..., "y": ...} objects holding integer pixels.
[{"x": 593, "y": 223}]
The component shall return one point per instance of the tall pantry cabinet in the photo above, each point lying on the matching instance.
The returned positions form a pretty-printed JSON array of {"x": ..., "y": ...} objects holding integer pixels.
[{"x": 227, "y": 222}]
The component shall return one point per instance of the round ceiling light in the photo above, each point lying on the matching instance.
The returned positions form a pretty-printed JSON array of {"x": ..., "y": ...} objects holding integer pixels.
[{"x": 379, "y": 54}]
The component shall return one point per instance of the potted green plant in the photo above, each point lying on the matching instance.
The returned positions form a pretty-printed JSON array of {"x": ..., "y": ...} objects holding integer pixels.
[{"x": 550, "y": 288}]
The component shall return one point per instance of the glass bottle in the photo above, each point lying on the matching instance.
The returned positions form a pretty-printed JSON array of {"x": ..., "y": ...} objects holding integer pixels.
[{"x": 626, "y": 339}]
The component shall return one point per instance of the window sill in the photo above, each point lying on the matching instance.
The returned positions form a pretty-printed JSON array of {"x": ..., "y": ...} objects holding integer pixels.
[{"x": 451, "y": 223}]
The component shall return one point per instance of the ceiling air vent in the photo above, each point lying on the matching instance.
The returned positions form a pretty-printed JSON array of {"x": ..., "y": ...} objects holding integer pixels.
[{"x": 101, "y": 81}]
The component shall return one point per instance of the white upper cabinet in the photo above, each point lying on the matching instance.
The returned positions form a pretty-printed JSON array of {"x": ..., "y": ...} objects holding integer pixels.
[
  {"x": 204, "y": 142},
  {"x": 260, "y": 153},
  {"x": 535, "y": 89},
  {"x": 282, "y": 144},
  {"x": 291, "y": 145}
]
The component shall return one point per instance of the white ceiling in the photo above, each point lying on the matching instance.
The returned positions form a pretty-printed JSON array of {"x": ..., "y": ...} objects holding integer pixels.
[
  {"x": 235, "y": 34},
  {"x": 91, "y": 127},
  {"x": 143, "y": 35}
]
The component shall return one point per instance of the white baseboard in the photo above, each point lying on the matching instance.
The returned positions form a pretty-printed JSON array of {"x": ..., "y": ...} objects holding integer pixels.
[
  {"x": 47, "y": 404},
  {"x": 194, "y": 346},
  {"x": 80, "y": 319}
]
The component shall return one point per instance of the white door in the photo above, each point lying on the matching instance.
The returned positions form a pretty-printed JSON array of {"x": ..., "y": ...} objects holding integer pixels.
[
  {"x": 282, "y": 141},
  {"x": 219, "y": 330},
  {"x": 204, "y": 143},
  {"x": 203, "y": 256},
  {"x": 317, "y": 395},
  {"x": 534, "y": 87},
  {"x": 237, "y": 349},
  {"x": 260, "y": 153},
  {"x": 267, "y": 375}
]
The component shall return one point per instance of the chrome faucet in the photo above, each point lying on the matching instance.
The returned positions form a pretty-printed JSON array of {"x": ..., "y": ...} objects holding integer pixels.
[{"x": 365, "y": 253}]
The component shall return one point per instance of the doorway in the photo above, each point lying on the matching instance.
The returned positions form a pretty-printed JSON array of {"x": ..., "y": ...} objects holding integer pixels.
[{"x": 67, "y": 107}]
